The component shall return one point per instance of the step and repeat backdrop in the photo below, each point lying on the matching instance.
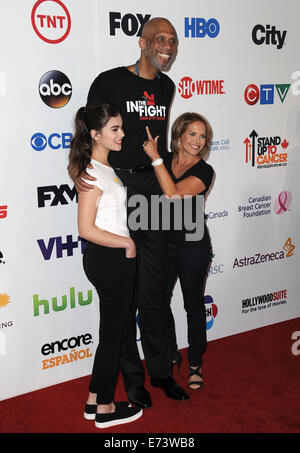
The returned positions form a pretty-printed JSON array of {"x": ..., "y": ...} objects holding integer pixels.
[{"x": 238, "y": 64}]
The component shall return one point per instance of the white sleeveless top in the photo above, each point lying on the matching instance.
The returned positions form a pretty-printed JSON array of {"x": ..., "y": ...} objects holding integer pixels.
[{"x": 112, "y": 212}]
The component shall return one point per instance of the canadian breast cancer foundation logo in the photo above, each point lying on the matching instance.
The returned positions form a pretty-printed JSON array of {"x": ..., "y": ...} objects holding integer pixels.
[
  {"x": 283, "y": 202},
  {"x": 51, "y": 20},
  {"x": 211, "y": 311},
  {"x": 187, "y": 87},
  {"x": 265, "y": 152}
]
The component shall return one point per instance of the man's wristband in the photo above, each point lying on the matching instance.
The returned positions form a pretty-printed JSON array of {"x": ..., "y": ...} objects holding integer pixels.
[{"x": 157, "y": 162}]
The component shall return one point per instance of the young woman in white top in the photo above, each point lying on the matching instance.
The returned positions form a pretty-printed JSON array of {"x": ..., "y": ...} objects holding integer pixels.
[{"x": 109, "y": 258}]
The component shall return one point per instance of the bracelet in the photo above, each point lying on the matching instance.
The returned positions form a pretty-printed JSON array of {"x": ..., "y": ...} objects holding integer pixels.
[{"x": 157, "y": 162}]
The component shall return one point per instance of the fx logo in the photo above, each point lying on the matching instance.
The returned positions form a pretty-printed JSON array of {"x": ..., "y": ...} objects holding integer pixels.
[
  {"x": 130, "y": 24},
  {"x": 57, "y": 195}
]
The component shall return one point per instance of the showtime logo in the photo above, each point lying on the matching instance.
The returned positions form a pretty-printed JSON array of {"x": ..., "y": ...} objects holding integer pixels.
[
  {"x": 187, "y": 87},
  {"x": 51, "y": 20}
]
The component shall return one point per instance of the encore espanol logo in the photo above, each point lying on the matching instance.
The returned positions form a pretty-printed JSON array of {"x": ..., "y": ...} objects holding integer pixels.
[
  {"x": 51, "y": 20},
  {"x": 55, "y": 89}
]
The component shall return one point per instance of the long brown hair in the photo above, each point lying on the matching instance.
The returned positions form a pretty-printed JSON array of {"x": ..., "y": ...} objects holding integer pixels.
[{"x": 93, "y": 116}]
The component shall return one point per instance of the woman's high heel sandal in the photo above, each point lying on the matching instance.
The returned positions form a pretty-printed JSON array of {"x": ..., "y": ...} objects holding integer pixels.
[
  {"x": 197, "y": 384},
  {"x": 177, "y": 359}
]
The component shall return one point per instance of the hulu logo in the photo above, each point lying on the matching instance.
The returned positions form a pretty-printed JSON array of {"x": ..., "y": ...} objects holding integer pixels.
[{"x": 66, "y": 300}]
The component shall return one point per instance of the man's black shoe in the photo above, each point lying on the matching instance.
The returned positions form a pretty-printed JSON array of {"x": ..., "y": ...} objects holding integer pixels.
[
  {"x": 171, "y": 388},
  {"x": 139, "y": 396}
]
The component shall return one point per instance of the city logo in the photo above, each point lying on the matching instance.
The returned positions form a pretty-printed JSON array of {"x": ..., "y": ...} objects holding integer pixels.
[
  {"x": 197, "y": 27},
  {"x": 57, "y": 195},
  {"x": 265, "y": 152},
  {"x": 81, "y": 341},
  {"x": 188, "y": 88},
  {"x": 1, "y": 258},
  {"x": 55, "y": 89},
  {"x": 265, "y": 94},
  {"x": 130, "y": 24},
  {"x": 260, "y": 258},
  {"x": 268, "y": 35},
  {"x": 3, "y": 212},
  {"x": 264, "y": 301},
  {"x": 211, "y": 311},
  {"x": 283, "y": 202},
  {"x": 51, "y": 20},
  {"x": 4, "y": 300},
  {"x": 146, "y": 107},
  {"x": 57, "y": 243},
  {"x": 55, "y": 141},
  {"x": 66, "y": 300}
]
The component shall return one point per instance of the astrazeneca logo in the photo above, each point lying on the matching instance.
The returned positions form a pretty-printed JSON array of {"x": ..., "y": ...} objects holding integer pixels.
[
  {"x": 3, "y": 211},
  {"x": 51, "y": 20},
  {"x": 59, "y": 245},
  {"x": 55, "y": 141},
  {"x": 283, "y": 202},
  {"x": 268, "y": 35},
  {"x": 197, "y": 27},
  {"x": 211, "y": 311},
  {"x": 265, "y": 94},
  {"x": 265, "y": 152},
  {"x": 55, "y": 89},
  {"x": 259, "y": 258},
  {"x": 187, "y": 87},
  {"x": 130, "y": 24}
]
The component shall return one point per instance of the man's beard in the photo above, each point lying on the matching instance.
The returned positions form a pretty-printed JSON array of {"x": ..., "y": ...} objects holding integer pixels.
[{"x": 153, "y": 60}]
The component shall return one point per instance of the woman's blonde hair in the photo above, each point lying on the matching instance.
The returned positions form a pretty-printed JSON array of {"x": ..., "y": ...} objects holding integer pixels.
[{"x": 180, "y": 125}]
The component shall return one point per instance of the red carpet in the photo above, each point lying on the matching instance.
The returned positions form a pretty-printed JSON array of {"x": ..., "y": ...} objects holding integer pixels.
[{"x": 252, "y": 385}]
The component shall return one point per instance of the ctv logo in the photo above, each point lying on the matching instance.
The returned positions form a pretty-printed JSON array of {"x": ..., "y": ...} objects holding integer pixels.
[
  {"x": 197, "y": 27},
  {"x": 265, "y": 94},
  {"x": 265, "y": 152},
  {"x": 3, "y": 212},
  {"x": 56, "y": 195},
  {"x": 268, "y": 35},
  {"x": 187, "y": 87},
  {"x": 51, "y": 20},
  {"x": 39, "y": 141},
  {"x": 131, "y": 24},
  {"x": 55, "y": 89},
  {"x": 58, "y": 244}
]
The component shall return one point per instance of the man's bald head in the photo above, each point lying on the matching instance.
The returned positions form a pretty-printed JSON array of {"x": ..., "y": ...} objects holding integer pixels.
[{"x": 154, "y": 25}]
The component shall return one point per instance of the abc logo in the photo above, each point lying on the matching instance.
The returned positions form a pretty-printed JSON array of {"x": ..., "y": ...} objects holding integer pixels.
[{"x": 55, "y": 89}]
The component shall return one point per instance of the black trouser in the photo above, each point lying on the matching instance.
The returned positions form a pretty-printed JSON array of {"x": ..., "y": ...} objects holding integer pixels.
[
  {"x": 113, "y": 276},
  {"x": 151, "y": 272},
  {"x": 190, "y": 265}
]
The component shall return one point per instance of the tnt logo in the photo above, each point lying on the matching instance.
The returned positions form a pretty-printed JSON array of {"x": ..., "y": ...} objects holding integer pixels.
[
  {"x": 57, "y": 195},
  {"x": 56, "y": 243},
  {"x": 211, "y": 311},
  {"x": 197, "y": 27},
  {"x": 51, "y": 20},
  {"x": 130, "y": 24}
]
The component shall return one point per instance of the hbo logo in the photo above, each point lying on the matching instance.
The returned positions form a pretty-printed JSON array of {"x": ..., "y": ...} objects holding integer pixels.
[{"x": 197, "y": 27}]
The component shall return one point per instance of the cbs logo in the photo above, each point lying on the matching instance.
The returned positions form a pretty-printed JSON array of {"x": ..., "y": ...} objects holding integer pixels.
[{"x": 55, "y": 89}]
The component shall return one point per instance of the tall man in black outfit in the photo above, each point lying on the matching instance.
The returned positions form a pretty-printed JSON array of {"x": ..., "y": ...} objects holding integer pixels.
[{"x": 143, "y": 95}]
